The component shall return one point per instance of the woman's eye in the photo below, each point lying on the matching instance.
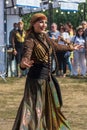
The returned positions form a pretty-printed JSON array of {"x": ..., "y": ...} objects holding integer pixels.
[{"x": 43, "y": 22}]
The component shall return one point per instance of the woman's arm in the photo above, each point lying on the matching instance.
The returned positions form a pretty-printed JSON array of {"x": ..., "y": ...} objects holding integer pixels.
[
  {"x": 68, "y": 47},
  {"x": 59, "y": 47},
  {"x": 26, "y": 61}
]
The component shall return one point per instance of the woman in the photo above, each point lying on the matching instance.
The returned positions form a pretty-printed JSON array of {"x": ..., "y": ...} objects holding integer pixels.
[
  {"x": 69, "y": 28},
  {"x": 79, "y": 55},
  {"x": 40, "y": 108},
  {"x": 62, "y": 57}
]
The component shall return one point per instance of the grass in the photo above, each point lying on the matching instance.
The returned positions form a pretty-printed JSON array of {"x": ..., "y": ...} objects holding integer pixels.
[{"x": 74, "y": 91}]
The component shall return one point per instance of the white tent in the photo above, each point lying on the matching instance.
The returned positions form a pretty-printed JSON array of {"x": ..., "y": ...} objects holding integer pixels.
[{"x": 2, "y": 44}]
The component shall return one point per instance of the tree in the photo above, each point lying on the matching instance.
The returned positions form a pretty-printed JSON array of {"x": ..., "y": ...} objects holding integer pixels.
[{"x": 62, "y": 17}]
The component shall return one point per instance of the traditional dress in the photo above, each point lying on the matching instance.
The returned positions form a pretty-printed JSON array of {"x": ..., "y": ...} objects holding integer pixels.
[{"x": 40, "y": 108}]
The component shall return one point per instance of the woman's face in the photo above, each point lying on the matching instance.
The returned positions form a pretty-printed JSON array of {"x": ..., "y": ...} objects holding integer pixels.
[
  {"x": 80, "y": 32},
  {"x": 61, "y": 29},
  {"x": 40, "y": 26}
]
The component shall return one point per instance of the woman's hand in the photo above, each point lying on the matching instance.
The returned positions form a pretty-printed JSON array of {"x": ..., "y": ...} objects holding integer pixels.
[
  {"x": 25, "y": 63},
  {"x": 60, "y": 38},
  {"x": 14, "y": 52},
  {"x": 77, "y": 47}
]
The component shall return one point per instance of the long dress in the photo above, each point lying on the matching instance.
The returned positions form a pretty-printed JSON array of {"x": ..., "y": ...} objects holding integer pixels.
[{"x": 40, "y": 108}]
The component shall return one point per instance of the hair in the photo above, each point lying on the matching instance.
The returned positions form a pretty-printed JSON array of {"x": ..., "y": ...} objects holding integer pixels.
[
  {"x": 21, "y": 22},
  {"x": 77, "y": 30},
  {"x": 54, "y": 24},
  {"x": 69, "y": 25},
  {"x": 62, "y": 27},
  {"x": 14, "y": 24},
  {"x": 35, "y": 17},
  {"x": 84, "y": 22}
]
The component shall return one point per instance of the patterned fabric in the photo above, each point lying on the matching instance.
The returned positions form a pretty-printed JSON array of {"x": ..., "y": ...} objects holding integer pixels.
[
  {"x": 40, "y": 109},
  {"x": 41, "y": 53}
]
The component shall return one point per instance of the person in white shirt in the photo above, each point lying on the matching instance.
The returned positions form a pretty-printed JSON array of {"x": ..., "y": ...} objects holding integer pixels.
[
  {"x": 53, "y": 34},
  {"x": 62, "y": 60},
  {"x": 79, "y": 66}
]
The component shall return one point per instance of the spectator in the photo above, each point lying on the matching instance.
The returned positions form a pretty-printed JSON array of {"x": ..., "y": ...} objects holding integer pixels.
[
  {"x": 79, "y": 55},
  {"x": 53, "y": 34},
  {"x": 18, "y": 43},
  {"x": 62, "y": 60},
  {"x": 15, "y": 27},
  {"x": 70, "y": 30},
  {"x": 11, "y": 66},
  {"x": 84, "y": 25}
]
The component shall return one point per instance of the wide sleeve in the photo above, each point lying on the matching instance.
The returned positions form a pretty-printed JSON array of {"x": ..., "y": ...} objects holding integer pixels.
[
  {"x": 28, "y": 49},
  {"x": 59, "y": 47}
]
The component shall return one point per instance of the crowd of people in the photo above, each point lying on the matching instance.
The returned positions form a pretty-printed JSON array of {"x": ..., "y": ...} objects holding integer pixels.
[{"x": 72, "y": 63}]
